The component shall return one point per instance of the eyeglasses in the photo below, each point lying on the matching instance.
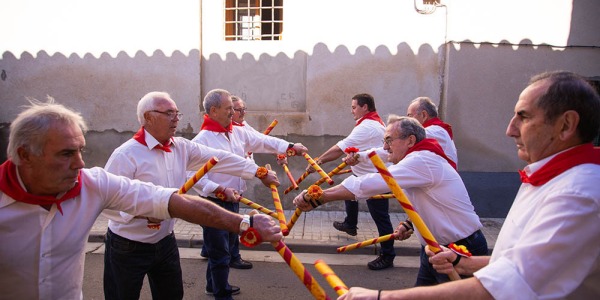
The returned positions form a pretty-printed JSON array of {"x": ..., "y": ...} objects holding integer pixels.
[
  {"x": 389, "y": 141},
  {"x": 240, "y": 110},
  {"x": 171, "y": 114}
]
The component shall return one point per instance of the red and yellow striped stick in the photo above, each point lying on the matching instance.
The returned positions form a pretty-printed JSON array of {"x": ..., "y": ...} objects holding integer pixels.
[
  {"x": 287, "y": 171},
  {"x": 383, "y": 196},
  {"x": 189, "y": 184},
  {"x": 258, "y": 207},
  {"x": 408, "y": 207},
  {"x": 343, "y": 172},
  {"x": 194, "y": 179},
  {"x": 278, "y": 207},
  {"x": 330, "y": 174},
  {"x": 289, "y": 189},
  {"x": 293, "y": 220},
  {"x": 334, "y": 281},
  {"x": 296, "y": 265},
  {"x": 318, "y": 169},
  {"x": 271, "y": 126},
  {"x": 365, "y": 243}
]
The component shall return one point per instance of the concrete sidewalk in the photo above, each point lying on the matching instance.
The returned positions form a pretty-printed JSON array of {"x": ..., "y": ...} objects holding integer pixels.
[{"x": 314, "y": 233}]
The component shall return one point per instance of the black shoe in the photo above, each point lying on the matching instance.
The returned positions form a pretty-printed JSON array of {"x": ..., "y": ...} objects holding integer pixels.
[
  {"x": 381, "y": 262},
  {"x": 203, "y": 256},
  {"x": 234, "y": 290},
  {"x": 240, "y": 264},
  {"x": 343, "y": 226}
]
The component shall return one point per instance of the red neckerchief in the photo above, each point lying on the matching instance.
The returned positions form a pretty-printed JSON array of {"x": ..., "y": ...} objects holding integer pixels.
[
  {"x": 140, "y": 136},
  {"x": 438, "y": 122},
  {"x": 433, "y": 146},
  {"x": 583, "y": 154},
  {"x": 234, "y": 123},
  {"x": 9, "y": 184},
  {"x": 212, "y": 125},
  {"x": 372, "y": 115}
]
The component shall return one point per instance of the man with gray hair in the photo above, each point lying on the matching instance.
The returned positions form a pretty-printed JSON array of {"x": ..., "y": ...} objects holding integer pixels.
[
  {"x": 426, "y": 112},
  {"x": 224, "y": 190},
  {"x": 49, "y": 202},
  {"x": 438, "y": 194},
  {"x": 136, "y": 247}
]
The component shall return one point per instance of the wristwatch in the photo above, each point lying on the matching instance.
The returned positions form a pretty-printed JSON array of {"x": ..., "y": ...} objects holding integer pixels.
[{"x": 245, "y": 224}]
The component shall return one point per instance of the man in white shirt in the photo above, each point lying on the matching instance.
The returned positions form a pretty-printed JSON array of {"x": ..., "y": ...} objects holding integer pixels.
[
  {"x": 548, "y": 247},
  {"x": 366, "y": 134},
  {"x": 218, "y": 131},
  {"x": 49, "y": 202},
  {"x": 435, "y": 189},
  {"x": 426, "y": 112},
  {"x": 135, "y": 248}
]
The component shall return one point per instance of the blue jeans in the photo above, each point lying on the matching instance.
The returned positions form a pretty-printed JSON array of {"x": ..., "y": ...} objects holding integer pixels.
[
  {"x": 379, "y": 210},
  {"x": 217, "y": 245},
  {"x": 475, "y": 243},
  {"x": 234, "y": 244},
  {"x": 126, "y": 262}
]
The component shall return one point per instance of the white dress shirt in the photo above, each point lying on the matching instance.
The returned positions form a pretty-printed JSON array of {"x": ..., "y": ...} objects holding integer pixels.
[
  {"x": 443, "y": 138},
  {"x": 366, "y": 135},
  {"x": 240, "y": 142},
  {"x": 169, "y": 169},
  {"x": 42, "y": 252},
  {"x": 549, "y": 245},
  {"x": 435, "y": 190}
]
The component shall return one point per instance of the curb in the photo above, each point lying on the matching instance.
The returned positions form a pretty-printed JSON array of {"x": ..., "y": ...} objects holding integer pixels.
[{"x": 296, "y": 245}]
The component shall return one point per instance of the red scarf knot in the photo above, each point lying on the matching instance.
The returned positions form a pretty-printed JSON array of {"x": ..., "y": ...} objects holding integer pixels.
[{"x": 140, "y": 136}]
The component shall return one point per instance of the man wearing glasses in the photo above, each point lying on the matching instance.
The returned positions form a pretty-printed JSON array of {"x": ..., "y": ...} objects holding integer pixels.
[
  {"x": 138, "y": 246},
  {"x": 430, "y": 181}
]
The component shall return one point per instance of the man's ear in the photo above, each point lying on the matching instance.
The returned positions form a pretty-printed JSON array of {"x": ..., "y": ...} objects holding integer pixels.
[
  {"x": 568, "y": 123},
  {"x": 24, "y": 155},
  {"x": 412, "y": 140}
]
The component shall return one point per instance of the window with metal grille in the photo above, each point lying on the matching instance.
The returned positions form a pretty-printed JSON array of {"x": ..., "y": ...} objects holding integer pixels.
[{"x": 248, "y": 20}]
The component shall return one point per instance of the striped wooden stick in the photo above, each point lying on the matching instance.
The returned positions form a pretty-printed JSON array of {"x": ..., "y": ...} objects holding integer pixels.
[
  {"x": 258, "y": 207},
  {"x": 189, "y": 184},
  {"x": 318, "y": 169},
  {"x": 278, "y": 206},
  {"x": 194, "y": 179},
  {"x": 289, "y": 189},
  {"x": 408, "y": 208},
  {"x": 271, "y": 126},
  {"x": 330, "y": 174},
  {"x": 334, "y": 281},
  {"x": 365, "y": 243},
  {"x": 298, "y": 268},
  {"x": 343, "y": 172},
  {"x": 293, "y": 220}
]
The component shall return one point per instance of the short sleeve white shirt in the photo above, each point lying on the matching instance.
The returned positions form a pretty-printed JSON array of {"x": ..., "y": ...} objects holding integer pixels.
[{"x": 366, "y": 135}]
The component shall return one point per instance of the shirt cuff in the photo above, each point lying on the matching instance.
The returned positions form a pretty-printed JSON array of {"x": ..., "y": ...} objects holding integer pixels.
[{"x": 352, "y": 184}]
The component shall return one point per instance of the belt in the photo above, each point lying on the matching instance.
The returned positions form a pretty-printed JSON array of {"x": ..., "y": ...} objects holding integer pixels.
[{"x": 469, "y": 238}]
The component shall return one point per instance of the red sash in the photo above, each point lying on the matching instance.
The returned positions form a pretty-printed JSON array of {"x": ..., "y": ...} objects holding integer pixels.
[
  {"x": 212, "y": 125},
  {"x": 9, "y": 184},
  {"x": 438, "y": 122},
  {"x": 582, "y": 154},
  {"x": 433, "y": 146},
  {"x": 140, "y": 136},
  {"x": 372, "y": 115}
]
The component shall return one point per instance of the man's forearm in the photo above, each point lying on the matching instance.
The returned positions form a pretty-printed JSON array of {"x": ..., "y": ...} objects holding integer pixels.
[
  {"x": 199, "y": 211},
  {"x": 338, "y": 192},
  {"x": 469, "y": 288}
]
